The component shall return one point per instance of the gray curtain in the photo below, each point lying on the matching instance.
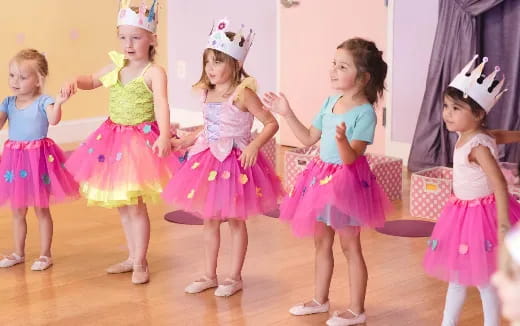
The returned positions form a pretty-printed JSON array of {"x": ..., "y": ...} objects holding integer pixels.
[
  {"x": 456, "y": 41},
  {"x": 500, "y": 41}
]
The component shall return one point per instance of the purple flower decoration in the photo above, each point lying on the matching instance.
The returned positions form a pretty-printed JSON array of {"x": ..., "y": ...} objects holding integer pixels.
[
  {"x": 183, "y": 158},
  {"x": 101, "y": 158},
  {"x": 488, "y": 245},
  {"x": 46, "y": 179},
  {"x": 364, "y": 184}
]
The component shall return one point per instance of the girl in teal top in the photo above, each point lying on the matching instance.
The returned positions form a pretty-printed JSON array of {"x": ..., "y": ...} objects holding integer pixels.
[{"x": 338, "y": 193}]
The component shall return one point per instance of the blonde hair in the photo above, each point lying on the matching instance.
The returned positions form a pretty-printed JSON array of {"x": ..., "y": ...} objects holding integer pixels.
[
  {"x": 238, "y": 72},
  {"x": 151, "y": 50},
  {"x": 40, "y": 63}
]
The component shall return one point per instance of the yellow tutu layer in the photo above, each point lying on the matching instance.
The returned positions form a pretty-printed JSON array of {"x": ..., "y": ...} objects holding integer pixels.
[{"x": 125, "y": 196}]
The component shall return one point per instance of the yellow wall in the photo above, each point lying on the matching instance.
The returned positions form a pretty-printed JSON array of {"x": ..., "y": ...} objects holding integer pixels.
[{"x": 75, "y": 36}]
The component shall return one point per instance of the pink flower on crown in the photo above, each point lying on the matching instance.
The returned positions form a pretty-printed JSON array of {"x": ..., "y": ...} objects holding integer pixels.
[{"x": 221, "y": 26}]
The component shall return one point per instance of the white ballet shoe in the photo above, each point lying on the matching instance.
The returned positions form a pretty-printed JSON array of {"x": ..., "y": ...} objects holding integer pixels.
[
  {"x": 302, "y": 310},
  {"x": 227, "y": 290},
  {"x": 201, "y": 285},
  {"x": 336, "y": 320},
  {"x": 7, "y": 261},
  {"x": 42, "y": 263}
]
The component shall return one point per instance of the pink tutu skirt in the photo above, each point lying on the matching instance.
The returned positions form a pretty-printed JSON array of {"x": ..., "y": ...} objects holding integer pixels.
[
  {"x": 338, "y": 195},
  {"x": 116, "y": 166},
  {"x": 463, "y": 247},
  {"x": 220, "y": 190},
  {"x": 33, "y": 174}
]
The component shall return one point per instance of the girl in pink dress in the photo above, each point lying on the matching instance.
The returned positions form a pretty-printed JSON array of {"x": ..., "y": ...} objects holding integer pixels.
[
  {"x": 463, "y": 246},
  {"x": 226, "y": 177},
  {"x": 32, "y": 168}
]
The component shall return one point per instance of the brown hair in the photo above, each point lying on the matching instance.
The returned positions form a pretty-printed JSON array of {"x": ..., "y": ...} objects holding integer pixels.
[
  {"x": 476, "y": 109},
  {"x": 40, "y": 62},
  {"x": 368, "y": 60},
  {"x": 238, "y": 72}
]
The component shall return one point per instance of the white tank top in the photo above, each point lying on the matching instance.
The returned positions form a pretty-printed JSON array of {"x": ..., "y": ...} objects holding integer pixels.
[{"x": 469, "y": 180}]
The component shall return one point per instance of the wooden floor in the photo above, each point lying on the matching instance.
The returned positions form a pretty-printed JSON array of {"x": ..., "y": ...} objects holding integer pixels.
[{"x": 278, "y": 273}]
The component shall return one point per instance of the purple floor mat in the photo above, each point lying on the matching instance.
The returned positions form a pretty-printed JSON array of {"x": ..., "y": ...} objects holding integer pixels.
[{"x": 407, "y": 228}]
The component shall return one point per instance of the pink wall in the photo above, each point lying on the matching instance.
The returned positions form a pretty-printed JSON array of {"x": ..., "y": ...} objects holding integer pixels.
[
  {"x": 189, "y": 23},
  {"x": 310, "y": 33},
  {"x": 411, "y": 57}
]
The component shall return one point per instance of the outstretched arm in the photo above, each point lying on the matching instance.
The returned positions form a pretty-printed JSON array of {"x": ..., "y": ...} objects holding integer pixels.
[
  {"x": 279, "y": 104},
  {"x": 505, "y": 136}
]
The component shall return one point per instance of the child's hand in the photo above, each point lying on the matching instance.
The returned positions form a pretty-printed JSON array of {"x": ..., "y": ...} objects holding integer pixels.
[
  {"x": 69, "y": 89},
  {"x": 341, "y": 129},
  {"x": 249, "y": 156},
  {"x": 509, "y": 292},
  {"x": 162, "y": 146},
  {"x": 174, "y": 127},
  {"x": 183, "y": 142},
  {"x": 277, "y": 104},
  {"x": 61, "y": 98},
  {"x": 175, "y": 143}
]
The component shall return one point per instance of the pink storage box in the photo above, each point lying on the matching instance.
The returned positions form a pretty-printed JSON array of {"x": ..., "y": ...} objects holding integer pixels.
[
  {"x": 510, "y": 171},
  {"x": 389, "y": 174},
  {"x": 430, "y": 189},
  {"x": 295, "y": 161}
]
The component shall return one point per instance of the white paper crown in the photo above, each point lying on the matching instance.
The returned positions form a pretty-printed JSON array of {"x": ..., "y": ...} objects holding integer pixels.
[
  {"x": 127, "y": 16},
  {"x": 484, "y": 90},
  {"x": 218, "y": 40}
]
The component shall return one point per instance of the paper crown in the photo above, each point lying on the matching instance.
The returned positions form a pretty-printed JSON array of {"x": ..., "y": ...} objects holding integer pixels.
[
  {"x": 236, "y": 48},
  {"x": 127, "y": 16},
  {"x": 484, "y": 90}
]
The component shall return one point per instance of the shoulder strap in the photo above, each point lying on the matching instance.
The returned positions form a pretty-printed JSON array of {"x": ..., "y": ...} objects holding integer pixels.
[{"x": 248, "y": 82}]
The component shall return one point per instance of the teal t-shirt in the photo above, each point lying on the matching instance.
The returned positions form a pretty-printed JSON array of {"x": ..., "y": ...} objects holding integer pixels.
[{"x": 361, "y": 124}]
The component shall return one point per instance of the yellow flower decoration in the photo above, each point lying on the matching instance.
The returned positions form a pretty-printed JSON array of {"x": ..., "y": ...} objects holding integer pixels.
[
  {"x": 226, "y": 175},
  {"x": 195, "y": 165},
  {"x": 243, "y": 179},
  {"x": 259, "y": 192},
  {"x": 326, "y": 180},
  {"x": 191, "y": 194},
  {"x": 212, "y": 175},
  {"x": 99, "y": 137},
  {"x": 50, "y": 158}
]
